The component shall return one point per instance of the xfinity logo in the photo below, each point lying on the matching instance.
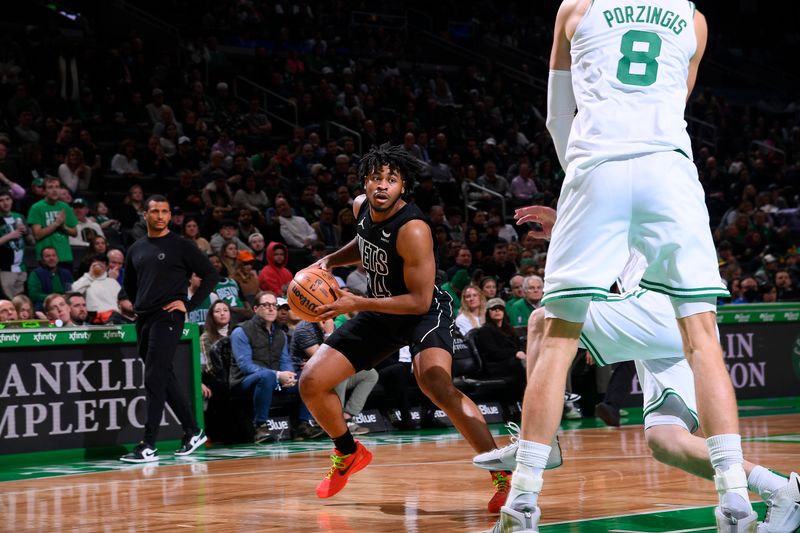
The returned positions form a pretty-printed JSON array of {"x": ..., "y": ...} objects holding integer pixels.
[
  {"x": 10, "y": 337},
  {"x": 79, "y": 335},
  {"x": 39, "y": 337},
  {"x": 119, "y": 334}
]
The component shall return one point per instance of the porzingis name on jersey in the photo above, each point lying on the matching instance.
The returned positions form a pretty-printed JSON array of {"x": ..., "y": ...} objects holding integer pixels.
[{"x": 647, "y": 15}]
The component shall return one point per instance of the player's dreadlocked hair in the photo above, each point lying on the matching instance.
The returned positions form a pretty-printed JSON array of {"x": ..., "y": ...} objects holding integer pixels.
[{"x": 394, "y": 157}]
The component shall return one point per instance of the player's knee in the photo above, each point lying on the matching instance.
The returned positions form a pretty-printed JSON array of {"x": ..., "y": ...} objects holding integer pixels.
[
  {"x": 536, "y": 322},
  {"x": 438, "y": 388},
  {"x": 308, "y": 384},
  {"x": 660, "y": 443}
]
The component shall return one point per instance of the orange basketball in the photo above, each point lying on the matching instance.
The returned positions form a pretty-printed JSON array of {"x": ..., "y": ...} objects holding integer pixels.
[{"x": 310, "y": 289}]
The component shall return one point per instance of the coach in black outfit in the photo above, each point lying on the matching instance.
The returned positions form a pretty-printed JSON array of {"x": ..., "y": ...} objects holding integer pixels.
[{"x": 157, "y": 272}]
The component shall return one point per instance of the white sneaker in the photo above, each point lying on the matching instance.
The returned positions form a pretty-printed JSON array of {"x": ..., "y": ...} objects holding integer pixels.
[
  {"x": 783, "y": 508},
  {"x": 505, "y": 458},
  {"x": 572, "y": 411},
  {"x": 734, "y": 513},
  {"x": 518, "y": 517},
  {"x": 728, "y": 524}
]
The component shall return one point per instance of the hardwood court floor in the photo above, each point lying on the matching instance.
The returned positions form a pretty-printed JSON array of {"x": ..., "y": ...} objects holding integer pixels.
[{"x": 415, "y": 484}]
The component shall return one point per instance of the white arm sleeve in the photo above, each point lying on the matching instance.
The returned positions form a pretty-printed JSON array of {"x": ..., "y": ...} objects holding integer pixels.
[{"x": 560, "y": 110}]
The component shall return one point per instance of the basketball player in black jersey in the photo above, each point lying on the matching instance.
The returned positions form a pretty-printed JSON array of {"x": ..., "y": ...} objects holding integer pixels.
[{"x": 404, "y": 307}]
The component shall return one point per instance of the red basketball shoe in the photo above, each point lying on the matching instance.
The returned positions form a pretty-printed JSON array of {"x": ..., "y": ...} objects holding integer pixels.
[
  {"x": 342, "y": 468},
  {"x": 501, "y": 480}
]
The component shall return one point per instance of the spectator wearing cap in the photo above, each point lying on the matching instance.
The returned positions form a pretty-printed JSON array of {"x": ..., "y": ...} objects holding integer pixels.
[
  {"x": 455, "y": 286},
  {"x": 87, "y": 229},
  {"x": 501, "y": 349},
  {"x": 100, "y": 290},
  {"x": 769, "y": 267},
  {"x": 258, "y": 246},
  {"x": 275, "y": 277},
  {"x": 245, "y": 276},
  {"x": 177, "y": 220},
  {"x": 33, "y": 195},
  {"x": 227, "y": 233},
  {"x": 186, "y": 158}
]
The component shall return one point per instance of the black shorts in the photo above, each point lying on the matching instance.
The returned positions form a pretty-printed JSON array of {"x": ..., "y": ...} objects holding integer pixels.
[{"x": 369, "y": 338}]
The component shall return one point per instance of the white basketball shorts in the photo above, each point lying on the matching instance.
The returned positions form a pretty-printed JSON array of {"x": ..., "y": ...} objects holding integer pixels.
[
  {"x": 641, "y": 326},
  {"x": 653, "y": 203}
]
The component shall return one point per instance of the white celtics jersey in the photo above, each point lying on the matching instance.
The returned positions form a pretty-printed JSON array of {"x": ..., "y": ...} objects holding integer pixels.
[{"x": 630, "y": 64}]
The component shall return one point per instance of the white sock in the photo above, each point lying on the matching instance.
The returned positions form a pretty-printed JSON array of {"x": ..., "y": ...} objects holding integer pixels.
[
  {"x": 764, "y": 482},
  {"x": 531, "y": 461},
  {"x": 725, "y": 451}
]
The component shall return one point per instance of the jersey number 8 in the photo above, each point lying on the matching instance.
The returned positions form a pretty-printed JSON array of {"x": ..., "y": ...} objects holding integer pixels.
[{"x": 637, "y": 57}]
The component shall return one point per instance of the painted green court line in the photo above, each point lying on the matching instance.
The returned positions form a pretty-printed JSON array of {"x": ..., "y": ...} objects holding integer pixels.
[
  {"x": 667, "y": 521},
  {"x": 56, "y": 463}
]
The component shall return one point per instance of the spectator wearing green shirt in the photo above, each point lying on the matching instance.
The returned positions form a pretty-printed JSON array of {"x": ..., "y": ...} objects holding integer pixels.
[
  {"x": 515, "y": 285},
  {"x": 12, "y": 247},
  {"x": 519, "y": 311},
  {"x": 53, "y": 222}
]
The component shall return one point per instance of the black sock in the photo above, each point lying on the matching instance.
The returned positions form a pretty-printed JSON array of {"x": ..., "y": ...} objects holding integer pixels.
[{"x": 346, "y": 444}]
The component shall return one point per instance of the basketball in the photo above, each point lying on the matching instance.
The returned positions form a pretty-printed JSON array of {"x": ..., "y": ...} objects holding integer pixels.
[{"x": 310, "y": 289}]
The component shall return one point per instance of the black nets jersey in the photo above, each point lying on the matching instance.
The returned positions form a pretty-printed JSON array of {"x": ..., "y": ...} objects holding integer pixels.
[{"x": 377, "y": 243}]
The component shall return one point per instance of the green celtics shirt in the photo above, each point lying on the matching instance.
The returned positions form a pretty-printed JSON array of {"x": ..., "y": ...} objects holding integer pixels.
[{"x": 44, "y": 214}]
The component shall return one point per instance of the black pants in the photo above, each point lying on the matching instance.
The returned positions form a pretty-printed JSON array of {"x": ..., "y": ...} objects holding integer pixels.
[
  {"x": 619, "y": 386},
  {"x": 158, "y": 335}
]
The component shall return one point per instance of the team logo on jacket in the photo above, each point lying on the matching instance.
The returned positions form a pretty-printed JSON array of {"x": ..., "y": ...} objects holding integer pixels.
[{"x": 161, "y": 256}]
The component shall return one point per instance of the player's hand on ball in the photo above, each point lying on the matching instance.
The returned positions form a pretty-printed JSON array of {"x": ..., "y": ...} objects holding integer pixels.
[{"x": 346, "y": 302}]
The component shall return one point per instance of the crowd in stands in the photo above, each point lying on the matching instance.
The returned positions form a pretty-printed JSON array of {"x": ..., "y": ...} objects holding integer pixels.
[{"x": 86, "y": 133}]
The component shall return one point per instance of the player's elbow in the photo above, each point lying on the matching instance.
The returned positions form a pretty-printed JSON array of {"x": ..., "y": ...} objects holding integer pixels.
[{"x": 421, "y": 305}]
